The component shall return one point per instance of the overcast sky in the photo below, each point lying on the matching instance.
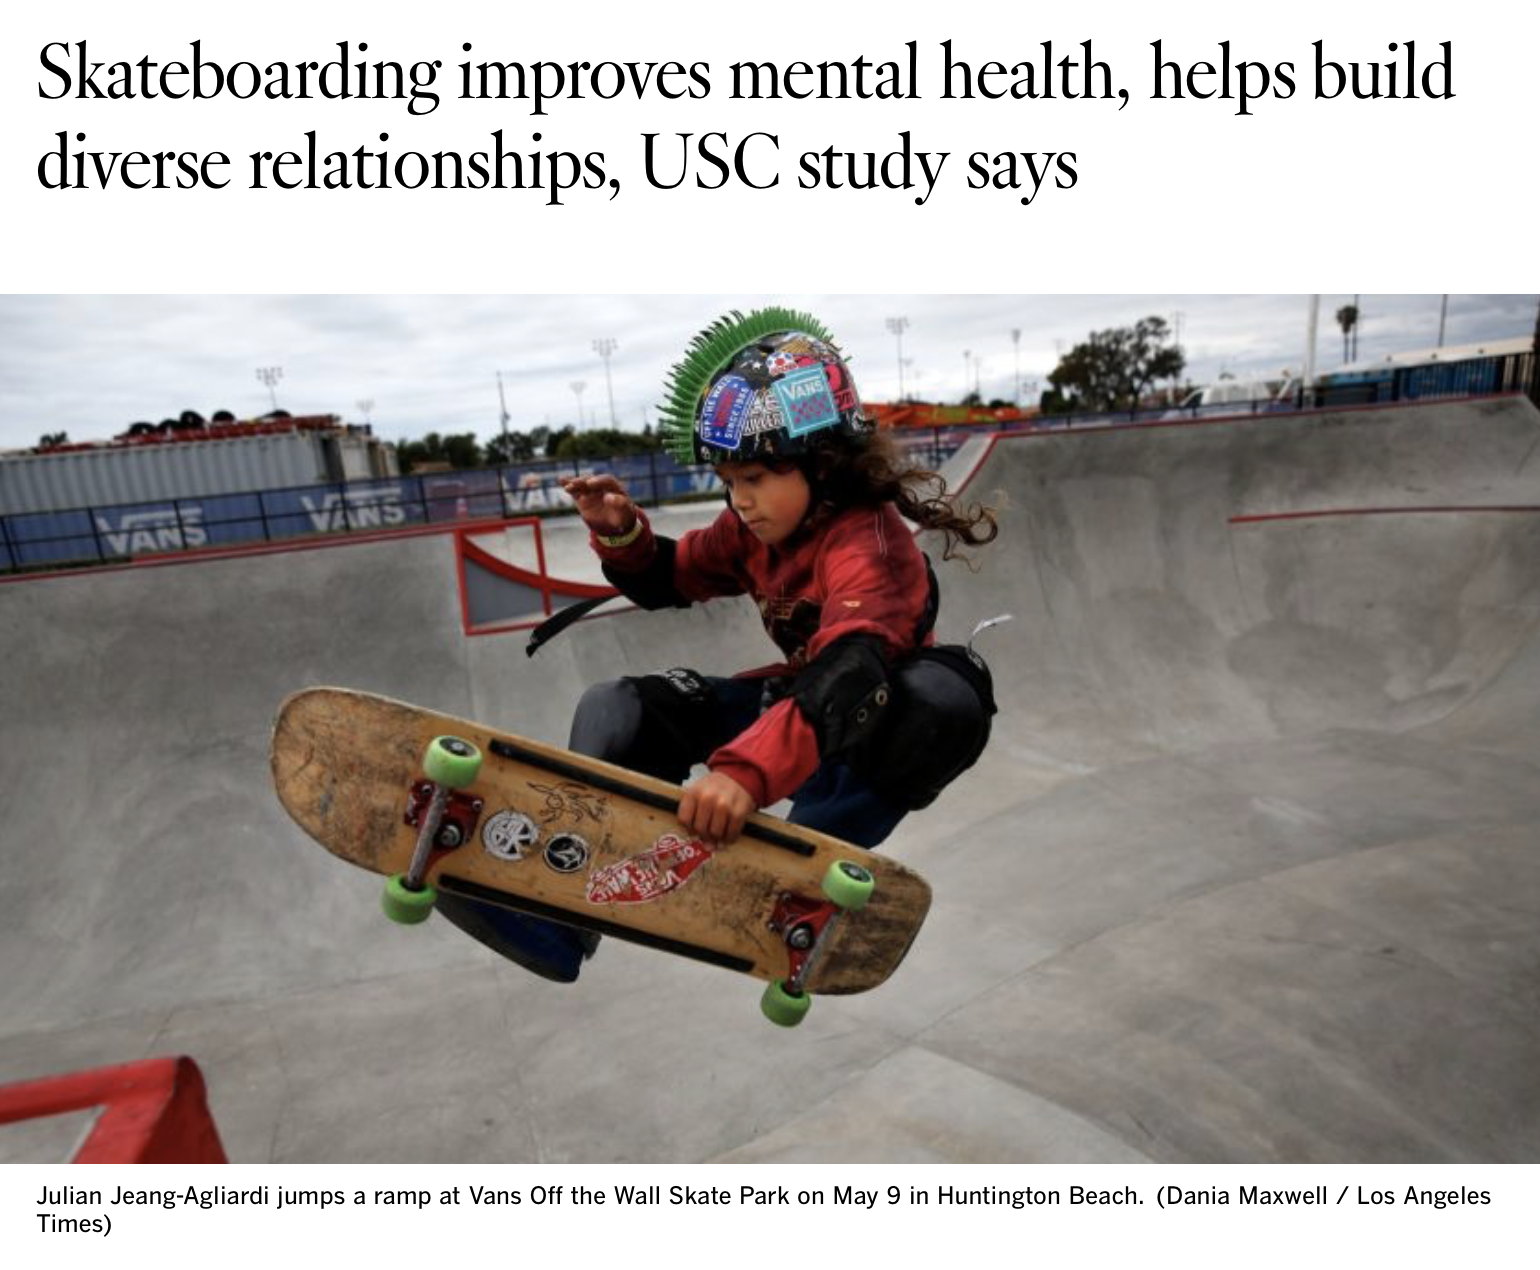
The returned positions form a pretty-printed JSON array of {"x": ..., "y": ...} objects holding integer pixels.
[{"x": 90, "y": 365}]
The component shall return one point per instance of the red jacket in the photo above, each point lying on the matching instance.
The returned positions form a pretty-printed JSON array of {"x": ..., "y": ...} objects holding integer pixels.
[{"x": 858, "y": 572}]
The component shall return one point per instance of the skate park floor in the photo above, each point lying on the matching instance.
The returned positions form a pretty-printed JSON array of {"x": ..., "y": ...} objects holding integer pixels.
[{"x": 1250, "y": 870}]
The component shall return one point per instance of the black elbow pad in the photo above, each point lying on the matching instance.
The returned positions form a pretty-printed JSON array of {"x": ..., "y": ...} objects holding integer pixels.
[
  {"x": 843, "y": 693},
  {"x": 653, "y": 586}
]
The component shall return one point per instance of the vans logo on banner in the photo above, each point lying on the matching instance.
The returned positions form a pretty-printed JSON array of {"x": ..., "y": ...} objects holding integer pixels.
[
  {"x": 153, "y": 530},
  {"x": 365, "y": 509}
]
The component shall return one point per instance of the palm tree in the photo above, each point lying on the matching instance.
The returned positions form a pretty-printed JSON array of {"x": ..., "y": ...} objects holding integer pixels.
[{"x": 1347, "y": 319}]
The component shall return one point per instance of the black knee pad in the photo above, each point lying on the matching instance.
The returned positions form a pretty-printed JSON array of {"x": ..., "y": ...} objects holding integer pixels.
[
  {"x": 661, "y": 725},
  {"x": 937, "y": 728},
  {"x": 844, "y": 694}
]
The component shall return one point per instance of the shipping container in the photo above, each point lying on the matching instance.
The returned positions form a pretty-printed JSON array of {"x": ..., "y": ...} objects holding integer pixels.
[{"x": 101, "y": 476}]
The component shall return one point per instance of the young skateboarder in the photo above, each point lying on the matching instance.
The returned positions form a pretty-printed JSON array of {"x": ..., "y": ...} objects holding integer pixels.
[{"x": 864, "y": 718}]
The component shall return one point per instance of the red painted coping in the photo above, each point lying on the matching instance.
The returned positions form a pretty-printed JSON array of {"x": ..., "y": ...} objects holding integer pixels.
[{"x": 155, "y": 1111}]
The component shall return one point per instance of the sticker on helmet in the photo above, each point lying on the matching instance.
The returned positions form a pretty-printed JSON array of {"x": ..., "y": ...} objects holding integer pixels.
[
  {"x": 726, "y": 408},
  {"x": 784, "y": 362},
  {"x": 842, "y": 386},
  {"x": 807, "y": 401},
  {"x": 801, "y": 343},
  {"x": 764, "y": 416}
]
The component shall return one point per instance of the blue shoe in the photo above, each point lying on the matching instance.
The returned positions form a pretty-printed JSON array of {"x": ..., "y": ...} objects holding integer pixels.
[{"x": 543, "y": 947}]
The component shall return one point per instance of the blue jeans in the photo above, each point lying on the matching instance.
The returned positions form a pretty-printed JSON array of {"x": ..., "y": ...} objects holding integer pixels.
[{"x": 662, "y": 726}]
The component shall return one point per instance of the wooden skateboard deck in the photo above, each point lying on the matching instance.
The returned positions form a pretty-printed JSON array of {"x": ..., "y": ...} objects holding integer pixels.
[{"x": 584, "y": 842}]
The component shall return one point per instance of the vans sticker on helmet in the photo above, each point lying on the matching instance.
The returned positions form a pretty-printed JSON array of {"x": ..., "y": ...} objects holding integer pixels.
[{"x": 807, "y": 401}]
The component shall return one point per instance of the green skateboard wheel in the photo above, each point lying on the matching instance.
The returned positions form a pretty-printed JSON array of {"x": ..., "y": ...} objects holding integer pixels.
[
  {"x": 451, "y": 762},
  {"x": 783, "y": 1007},
  {"x": 401, "y": 904},
  {"x": 848, "y": 884}
]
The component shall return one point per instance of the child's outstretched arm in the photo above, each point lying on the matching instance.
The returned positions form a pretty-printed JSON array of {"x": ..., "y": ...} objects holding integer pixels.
[
  {"x": 603, "y": 504},
  {"x": 652, "y": 570}
]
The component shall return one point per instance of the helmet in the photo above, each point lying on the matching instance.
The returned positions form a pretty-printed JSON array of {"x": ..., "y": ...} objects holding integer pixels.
[{"x": 767, "y": 385}]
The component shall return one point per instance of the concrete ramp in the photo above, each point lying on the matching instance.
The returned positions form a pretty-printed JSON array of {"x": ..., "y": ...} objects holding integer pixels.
[{"x": 1249, "y": 872}]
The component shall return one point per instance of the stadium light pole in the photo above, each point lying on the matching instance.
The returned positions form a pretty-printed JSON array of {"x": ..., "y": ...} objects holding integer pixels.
[
  {"x": 270, "y": 375},
  {"x": 577, "y": 387},
  {"x": 365, "y": 405},
  {"x": 1312, "y": 325},
  {"x": 606, "y": 348},
  {"x": 1016, "y": 345},
  {"x": 897, "y": 326},
  {"x": 502, "y": 413}
]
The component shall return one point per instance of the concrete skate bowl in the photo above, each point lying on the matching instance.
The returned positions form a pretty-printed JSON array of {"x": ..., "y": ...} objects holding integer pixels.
[{"x": 1248, "y": 873}]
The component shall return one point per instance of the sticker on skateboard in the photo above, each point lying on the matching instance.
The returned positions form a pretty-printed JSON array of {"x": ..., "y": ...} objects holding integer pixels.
[
  {"x": 567, "y": 852},
  {"x": 639, "y": 879},
  {"x": 509, "y": 835}
]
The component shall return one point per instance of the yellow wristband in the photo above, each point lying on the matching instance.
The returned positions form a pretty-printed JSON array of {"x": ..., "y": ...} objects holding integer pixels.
[{"x": 622, "y": 540}]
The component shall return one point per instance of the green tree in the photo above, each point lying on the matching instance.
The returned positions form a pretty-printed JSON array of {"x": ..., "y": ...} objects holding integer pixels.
[
  {"x": 463, "y": 451},
  {"x": 1113, "y": 369},
  {"x": 512, "y": 447},
  {"x": 52, "y": 440},
  {"x": 601, "y": 443},
  {"x": 459, "y": 451}
]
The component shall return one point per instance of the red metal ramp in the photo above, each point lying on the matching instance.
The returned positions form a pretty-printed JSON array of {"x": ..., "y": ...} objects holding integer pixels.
[{"x": 500, "y": 591}]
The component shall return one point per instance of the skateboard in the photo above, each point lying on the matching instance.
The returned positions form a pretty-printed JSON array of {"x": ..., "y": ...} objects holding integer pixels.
[{"x": 440, "y": 804}]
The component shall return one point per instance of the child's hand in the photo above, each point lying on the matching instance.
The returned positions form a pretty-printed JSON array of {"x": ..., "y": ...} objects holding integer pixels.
[
  {"x": 603, "y": 503},
  {"x": 714, "y": 808}
]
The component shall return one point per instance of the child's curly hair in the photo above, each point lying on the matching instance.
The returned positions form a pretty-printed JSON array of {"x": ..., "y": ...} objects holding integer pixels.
[{"x": 845, "y": 472}]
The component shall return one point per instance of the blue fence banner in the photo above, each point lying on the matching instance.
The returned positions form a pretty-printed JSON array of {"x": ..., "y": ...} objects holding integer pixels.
[{"x": 125, "y": 531}]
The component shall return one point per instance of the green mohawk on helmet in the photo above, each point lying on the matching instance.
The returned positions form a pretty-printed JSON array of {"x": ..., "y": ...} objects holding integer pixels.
[{"x": 711, "y": 352}]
